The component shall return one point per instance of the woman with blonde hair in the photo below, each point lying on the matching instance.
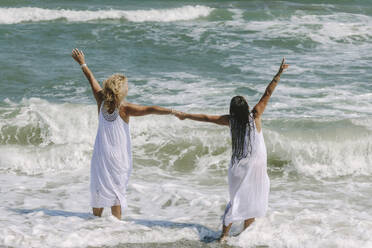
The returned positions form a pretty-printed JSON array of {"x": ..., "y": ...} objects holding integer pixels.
[
  {"x": 249, "y": 184},
  {"x": 111, "y": 163}
]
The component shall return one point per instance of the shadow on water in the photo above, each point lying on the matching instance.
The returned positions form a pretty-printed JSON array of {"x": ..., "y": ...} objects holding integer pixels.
[
  {"x": 86, "y": 216},
  {"x": 206, "y": 235}
]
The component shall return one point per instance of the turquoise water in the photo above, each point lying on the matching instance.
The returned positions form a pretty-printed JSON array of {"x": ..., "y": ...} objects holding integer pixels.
[{"x": 192, "y": 56}]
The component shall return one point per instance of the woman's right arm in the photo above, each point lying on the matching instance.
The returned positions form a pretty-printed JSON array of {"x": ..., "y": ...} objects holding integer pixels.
[
  {"x": 131, "y": 109},
  {"x": 217, "y": 119}
]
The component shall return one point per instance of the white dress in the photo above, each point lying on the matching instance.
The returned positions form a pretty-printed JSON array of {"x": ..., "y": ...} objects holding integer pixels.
[
  {"x": 249, "y": 184},
  {"x": 111, "y": 163}
]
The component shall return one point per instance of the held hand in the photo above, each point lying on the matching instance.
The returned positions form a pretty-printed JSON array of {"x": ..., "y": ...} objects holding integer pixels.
[
  {"x": 283, "y": 66},
  {"x": 78, "y": 56},
  {"x": 180, "y": 115}
]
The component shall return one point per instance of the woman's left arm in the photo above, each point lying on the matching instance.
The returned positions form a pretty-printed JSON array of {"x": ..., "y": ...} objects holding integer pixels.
[{"x": 216, "y": 119}]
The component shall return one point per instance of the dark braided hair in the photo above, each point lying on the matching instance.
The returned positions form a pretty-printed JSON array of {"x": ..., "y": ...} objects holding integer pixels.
[{"x": 239, "y": 122}]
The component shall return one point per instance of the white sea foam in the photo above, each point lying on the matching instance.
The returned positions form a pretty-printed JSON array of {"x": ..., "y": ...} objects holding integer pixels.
[
  {"x": 307, "y": 229},
  {"x": 327, "y": 29},
  {"x": 65, "y": 135},
  {"x": 44, "y": 137},
  {"x": 178, "y": 189},
  {"x": 31, "y": 14},
  {"x": 323, "y": 157}
]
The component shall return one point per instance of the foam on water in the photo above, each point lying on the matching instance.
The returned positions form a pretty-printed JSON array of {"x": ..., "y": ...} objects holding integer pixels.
[
  {"x": 59, "y": 137},
  {"x": 40, "y": 137},
  {"x": 31, "y": 14},
  {"x": 178, "y": 188},
  {"x": 324, "y": 155},
  {"x": 317, "y": 128},
  {"x": 325, "y": 29},
  {"x": 301, "y": 232}
]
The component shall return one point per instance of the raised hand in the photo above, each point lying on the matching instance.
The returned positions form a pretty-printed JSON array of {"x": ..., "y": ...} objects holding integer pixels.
[
  {"x": 180, "y": 115},
  {"x": 78, "y": 56},
  {"x": 261, "y": 105},
  {"x": 283, "y": 66}
]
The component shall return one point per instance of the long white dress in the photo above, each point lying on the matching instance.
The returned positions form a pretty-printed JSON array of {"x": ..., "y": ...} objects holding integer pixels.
[
  {"x": 249, "y": 184},
  {"x": 111, "y": 163}
]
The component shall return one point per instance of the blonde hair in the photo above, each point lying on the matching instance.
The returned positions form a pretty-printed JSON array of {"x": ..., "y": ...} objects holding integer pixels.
[{"x": 114, "y": 90}]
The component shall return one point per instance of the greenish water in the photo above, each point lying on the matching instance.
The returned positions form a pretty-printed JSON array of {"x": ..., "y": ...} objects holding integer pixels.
[{"x": 192, "y": 56}]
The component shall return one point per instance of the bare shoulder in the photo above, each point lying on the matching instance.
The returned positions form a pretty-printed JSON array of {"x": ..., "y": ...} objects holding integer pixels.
[
  {"x": 99, "y": 99},
  {"x": 257, "y": 122},
  {"x": 255, "y": 111},
  {"x": 100, "y": 95},
  {"x": 128, "y": 107},
  {"x": 123, "y": 111},
  {"x": 224, "y": 120}
]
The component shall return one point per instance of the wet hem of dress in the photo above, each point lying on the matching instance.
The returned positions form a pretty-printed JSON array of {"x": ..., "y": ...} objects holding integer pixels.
[{"x": 106, "y": 204}]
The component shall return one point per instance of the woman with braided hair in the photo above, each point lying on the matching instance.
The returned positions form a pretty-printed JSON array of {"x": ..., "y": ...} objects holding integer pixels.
[
  {"x": 249, "y": 184},
  {"x": 111, "y": 163}
]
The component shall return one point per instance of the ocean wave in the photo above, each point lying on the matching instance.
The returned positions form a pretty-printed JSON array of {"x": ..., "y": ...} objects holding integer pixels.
[
  {"x": 303, "y": 27},
  {"x": 36, "y": 122},
  {"x": 322, "y": 150},
  {"x": 31, "y": 14},
  {"x": 37, "y": 136}
]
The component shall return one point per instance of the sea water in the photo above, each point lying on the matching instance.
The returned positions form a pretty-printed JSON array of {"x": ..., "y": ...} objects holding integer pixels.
[{"x": 191, "y": 56}]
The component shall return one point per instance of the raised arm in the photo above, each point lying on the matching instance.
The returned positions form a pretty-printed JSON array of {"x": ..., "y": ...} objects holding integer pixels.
[
  {"x": 96, "y": 88},
  {"x": 261, "y": 105},
  {"x": 217, "y": 119}
]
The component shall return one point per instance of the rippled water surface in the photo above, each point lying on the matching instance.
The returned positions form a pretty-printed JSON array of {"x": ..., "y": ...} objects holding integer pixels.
[{"x": 192, "y": 56}]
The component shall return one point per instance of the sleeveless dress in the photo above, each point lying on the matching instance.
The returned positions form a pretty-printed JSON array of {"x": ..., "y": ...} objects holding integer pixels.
[
  {"x": 249, "y": 183},
  {"x": 111, "y": 163}
]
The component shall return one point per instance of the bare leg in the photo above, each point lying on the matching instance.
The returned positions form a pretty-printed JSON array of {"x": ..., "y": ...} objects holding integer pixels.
[
  {"x": 116, "y": 211},
  {"x": 248, "y": 222},
  {"x": 225, "y": 232},
  {"x": 97, "y": 211}
]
